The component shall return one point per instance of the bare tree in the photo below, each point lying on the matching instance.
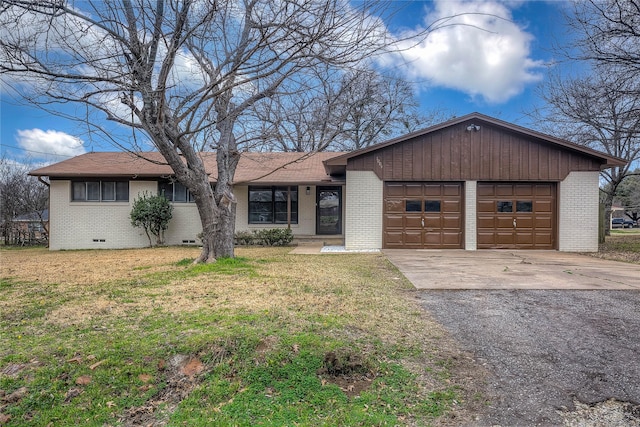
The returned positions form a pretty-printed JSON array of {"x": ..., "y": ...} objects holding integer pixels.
[
  {"x": 608, "y": 33},
  {"x": 601, "y": 107},
  {"x": 586, "y": 110},
  {"x": 19, "y": 194},
  {"x": 629, "y": 195},
  {"x": 182, "y": 74},
  {"x": 342, "y": 112}
]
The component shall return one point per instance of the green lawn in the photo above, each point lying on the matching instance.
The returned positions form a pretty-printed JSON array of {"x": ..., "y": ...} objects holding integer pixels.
[{"x": 140, "y": 337}]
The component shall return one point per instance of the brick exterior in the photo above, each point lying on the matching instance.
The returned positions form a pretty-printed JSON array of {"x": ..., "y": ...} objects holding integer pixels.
[
  {"x": 578, "y": 212},
  {"x": 363, "y": 217},
  {"x": 471, "y": 215},
  {"x": 106, "y": 225}
]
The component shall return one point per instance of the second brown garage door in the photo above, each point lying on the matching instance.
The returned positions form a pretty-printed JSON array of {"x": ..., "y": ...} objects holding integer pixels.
[
  {"x": 423, "y": 215},
  {"x": 516, "y": 215}
]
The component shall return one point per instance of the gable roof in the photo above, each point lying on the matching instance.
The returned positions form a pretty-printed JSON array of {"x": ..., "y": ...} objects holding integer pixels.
[
  {"x": 337, "y": 164},
  {"x": 299, "y": 168}
]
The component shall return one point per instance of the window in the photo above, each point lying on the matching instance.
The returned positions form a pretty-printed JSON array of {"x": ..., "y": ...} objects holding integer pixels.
[
  {"x": 175, "y": 192},
  {"x": 432, "y": 205},
  {"x": 522, "y": 206},
  {"x": 100, "y": 191},
  {"x": 504, "y": 206},
  {"x": 268, "y": 204},
  {"x": 413, "y": 206}
]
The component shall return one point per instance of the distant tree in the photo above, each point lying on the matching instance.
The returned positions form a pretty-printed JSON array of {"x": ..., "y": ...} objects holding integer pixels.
[
  {"x": 607, "y": 34},
  {"x": 152, "y": 213},
  {"x": 587, "y": 111},
  {"x": 352, "y": 110},
  {"x": 628, "y": 194},
  {"x": 600, "y": 107},
  {"x": 20, "y": 193}
]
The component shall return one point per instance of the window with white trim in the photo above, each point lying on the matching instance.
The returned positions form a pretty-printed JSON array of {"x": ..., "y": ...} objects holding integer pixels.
[{"x": 100, "y": 191}]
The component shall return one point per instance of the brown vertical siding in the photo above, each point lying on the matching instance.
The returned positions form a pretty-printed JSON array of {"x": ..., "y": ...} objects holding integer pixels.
[{"x": 491, "y": 154}]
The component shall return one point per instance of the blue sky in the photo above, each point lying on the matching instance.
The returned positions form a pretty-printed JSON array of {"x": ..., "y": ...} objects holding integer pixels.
[{"x": 493, "y": 69}]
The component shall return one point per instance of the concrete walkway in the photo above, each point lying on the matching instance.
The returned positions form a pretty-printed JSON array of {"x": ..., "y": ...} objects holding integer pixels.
[{"x": 504, "y": 269}]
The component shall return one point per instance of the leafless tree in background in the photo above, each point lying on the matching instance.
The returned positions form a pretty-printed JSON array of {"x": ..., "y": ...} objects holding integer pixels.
[
  {"x": 182, "y": 74},
  {"x": 352, "y": 110},
  {"x": 20, "y": 194},
  {"x": 599, "y": 108}
]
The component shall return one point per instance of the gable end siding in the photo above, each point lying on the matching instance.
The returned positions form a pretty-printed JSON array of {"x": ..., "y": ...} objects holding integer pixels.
[{"x": 455, "y": 154}]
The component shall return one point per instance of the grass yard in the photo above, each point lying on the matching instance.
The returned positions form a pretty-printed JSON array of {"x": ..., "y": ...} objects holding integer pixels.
[
  {"x": 621, "y": 245},
  {"x": 143, "y": 337}
]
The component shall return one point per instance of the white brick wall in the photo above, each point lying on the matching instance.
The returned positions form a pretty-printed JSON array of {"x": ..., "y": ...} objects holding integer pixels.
[
  {"x": 93, "y": 225},
  {"x": 578, "y": 212},
  {"x": 363, "y": 216},
  {"x": 471, "y": 216},
  {"x": 106, "y": 225}
]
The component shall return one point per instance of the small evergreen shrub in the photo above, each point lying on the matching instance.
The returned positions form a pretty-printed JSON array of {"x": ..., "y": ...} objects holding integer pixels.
[
  {"x": 275, "y": 236},
  {"x": 246, "y": 238}
]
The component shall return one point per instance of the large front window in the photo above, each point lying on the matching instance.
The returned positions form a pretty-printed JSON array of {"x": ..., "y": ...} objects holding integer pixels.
[
  {"x": 100, "y": 191},
  {"x": 268, "y": 205}
]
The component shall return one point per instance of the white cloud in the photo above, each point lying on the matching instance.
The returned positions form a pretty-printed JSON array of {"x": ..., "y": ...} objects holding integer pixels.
[
  {"x": 41, "y": 141},
  {"x": 480, "y": 51}
]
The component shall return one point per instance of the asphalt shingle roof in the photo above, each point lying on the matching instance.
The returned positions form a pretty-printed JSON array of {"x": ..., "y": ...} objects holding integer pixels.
[{"x": 265, "y": 168}]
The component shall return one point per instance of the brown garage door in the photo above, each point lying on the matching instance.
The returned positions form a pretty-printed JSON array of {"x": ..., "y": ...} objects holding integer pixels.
[
  {"x": 423, "y": 215},
  {"x": 516, "y": 215}
]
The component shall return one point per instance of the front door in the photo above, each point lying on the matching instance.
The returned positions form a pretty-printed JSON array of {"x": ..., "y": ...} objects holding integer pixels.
[{"x": 328, "y": 210}]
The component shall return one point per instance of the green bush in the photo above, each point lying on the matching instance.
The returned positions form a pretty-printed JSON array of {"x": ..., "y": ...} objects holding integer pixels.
[
  {"x": 275, "y": 236},
  {"x": 267, "y": 237},
  {"x": 246, "y": 238},
  {"x": 152, "y": 213}
]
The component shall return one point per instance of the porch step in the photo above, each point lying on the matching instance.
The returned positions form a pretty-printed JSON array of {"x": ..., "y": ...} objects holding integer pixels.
[{"x": 318, "y": 241}]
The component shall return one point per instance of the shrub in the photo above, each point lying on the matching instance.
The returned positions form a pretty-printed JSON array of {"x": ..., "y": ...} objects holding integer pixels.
[
  {"x": 246, "y": 238},
  {"x": 275, "y": 236},
  {"x": 152, "y": 213}
]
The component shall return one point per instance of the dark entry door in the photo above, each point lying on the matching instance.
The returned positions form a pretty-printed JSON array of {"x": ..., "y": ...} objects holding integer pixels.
[{"x": 328, "y": 210}]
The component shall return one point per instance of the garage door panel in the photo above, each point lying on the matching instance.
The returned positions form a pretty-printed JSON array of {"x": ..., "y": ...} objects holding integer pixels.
[
  {"x": 486, "y": 206},
  {"x": 544, "y": 190},
  {"x": 413, "y": 190},
  {"x": 503, "y": 190},
  {"x": 451, "y": 206},
  {"x": 540, "y": 206},
  {"x": 413, "y": 237},
  {"x": 543, "y": 239},
  {"x": 395, "y": 206},
  {"x": 523, "y": 190},
  {"x": 534, "y": 210},
  {"x": 452, "y": 189},
  {"x": 543, "y": 223},
  {"x": 503, "y": 222},
  {"x": 451, "y": 222},
  {"x": 453, "y": 239},
  {"x": 524, "y": 221},
  {"x": 428, "y": 213},
  {"x": 524, "y": 238}
]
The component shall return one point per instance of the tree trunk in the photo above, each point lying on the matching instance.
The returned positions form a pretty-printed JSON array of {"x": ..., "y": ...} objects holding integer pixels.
[{"x": 608, "y": 202}]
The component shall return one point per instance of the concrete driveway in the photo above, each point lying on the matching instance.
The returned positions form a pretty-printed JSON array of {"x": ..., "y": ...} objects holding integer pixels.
[{"x": 506, "y": 269}]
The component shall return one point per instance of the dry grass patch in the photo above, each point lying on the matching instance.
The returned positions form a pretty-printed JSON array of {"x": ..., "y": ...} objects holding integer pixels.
[
  {"x": 271, "y": 309},
  {"x": 621, "y": 245}
]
